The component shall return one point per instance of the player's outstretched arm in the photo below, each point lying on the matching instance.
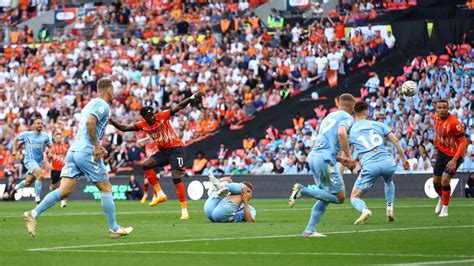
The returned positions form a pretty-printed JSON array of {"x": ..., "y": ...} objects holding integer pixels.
[
  {"x": 393, "y": 139},
  {"x": 185, "y": 102},
  {"x": 123, "y": 128}
]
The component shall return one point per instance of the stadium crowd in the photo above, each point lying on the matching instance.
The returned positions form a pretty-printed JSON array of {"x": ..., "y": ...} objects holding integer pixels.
[
  {"x": 444, "y": 76},
  {"x": 249, "y": 70}
]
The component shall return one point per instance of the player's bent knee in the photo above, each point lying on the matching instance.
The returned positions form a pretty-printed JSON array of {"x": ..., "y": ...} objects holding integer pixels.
[{"x": 104, "y": 186}]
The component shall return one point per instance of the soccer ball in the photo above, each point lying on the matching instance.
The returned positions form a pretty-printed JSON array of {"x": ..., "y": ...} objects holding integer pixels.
[{"x": 409, "y": 88}]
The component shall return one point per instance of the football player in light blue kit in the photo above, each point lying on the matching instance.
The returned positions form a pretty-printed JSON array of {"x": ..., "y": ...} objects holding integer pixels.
[
  {"x": 36, "y": 142},
  {"x": 369, "y": 140},
  {"x": 85, "y": 157},
  {"x": 332, "y": 138},
  {"x": 222, "y": 207}
]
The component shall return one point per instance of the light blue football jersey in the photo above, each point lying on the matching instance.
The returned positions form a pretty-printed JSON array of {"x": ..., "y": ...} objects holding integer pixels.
[
  {"x": 369, "y": 140},
  {"x": 240, "y": 214},
  {"x": 98, "y": 108},
  {"x": 35, "y": 145},
  {"x": 327, "y": 140}
]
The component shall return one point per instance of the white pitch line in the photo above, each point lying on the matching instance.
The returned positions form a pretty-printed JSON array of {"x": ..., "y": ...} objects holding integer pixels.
[
  {"x": 199, "y": 211},
  {"x": 435, "y": 262},
  {"x": 245, "y": 238},
  {"x": 184, "y": 252}
]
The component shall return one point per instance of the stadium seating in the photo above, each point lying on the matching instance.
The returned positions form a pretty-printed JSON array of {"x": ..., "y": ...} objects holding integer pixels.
[
  {"x": 161, "y": 67},
  {"x": 409, "y": 118}
]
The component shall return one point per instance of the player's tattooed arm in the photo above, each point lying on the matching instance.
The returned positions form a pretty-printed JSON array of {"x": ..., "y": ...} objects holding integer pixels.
[
  {"x": 185, "y": 103},
  {"x": 98, "y": 152},
  {"x": 123, "y": 128}
]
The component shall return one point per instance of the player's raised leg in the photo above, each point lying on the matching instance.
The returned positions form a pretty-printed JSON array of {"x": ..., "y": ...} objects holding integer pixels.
[
  {"x": 149, "y": 166},
  {"x": 331, "y": 190},
  {"x": 218, "y": 188},
  {"x": 24, "y": 183},
  {"x": 321, "y": 174}
]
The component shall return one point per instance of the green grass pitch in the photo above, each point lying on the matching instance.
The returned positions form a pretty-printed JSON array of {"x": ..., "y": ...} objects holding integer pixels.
[{"x": 77, "y": 235}]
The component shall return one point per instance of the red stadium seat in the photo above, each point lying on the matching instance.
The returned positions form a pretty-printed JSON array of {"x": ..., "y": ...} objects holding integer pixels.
[
  {"x": 313, "y": 122},
  {"x": 462, "y": 52},
  {"x": 444, "y": 57},
  {"x": 382, "y": 89},
  {"x": 265, "y": 141},
  {"x": 240, "y": 153},
  {"x": 466, "y": 46}
]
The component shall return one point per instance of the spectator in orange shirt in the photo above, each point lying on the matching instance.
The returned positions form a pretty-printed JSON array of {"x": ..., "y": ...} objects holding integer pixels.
[
  {"x": 357, "y": 39},
  {"x": 249, "y": 142},
  {"x": 298, "y": 121},
  {"x": 212, "y": 123},
  {"x": 199, "y": 163},
  {"x": 388, "y": 80}
]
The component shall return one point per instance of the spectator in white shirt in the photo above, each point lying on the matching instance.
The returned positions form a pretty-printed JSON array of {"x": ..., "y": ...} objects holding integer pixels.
[
  {"x": 424, "y": 164},
  {"x": 373, "y": 84},
  {"x": 334, "y": 59},
  {"x": 329, "y": 32},
  {"x": 296, "y": 33},
  {"x": 369, "y": 33},
  {"x": 390, "y": 40},
  {"x": 413, "y": 161},
  {"x": 322, "y": 66},
  {"x": 243, "y": 5},
  {"x": 369, "y": 6}
]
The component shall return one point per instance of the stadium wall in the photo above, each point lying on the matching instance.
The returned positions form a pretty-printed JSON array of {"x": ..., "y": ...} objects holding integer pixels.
[{"x": 266, "y": 187}]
